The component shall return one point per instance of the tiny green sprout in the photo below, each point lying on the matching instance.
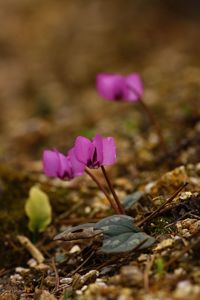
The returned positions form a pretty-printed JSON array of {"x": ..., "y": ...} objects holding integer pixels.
[
  {"x": 160, "y": 265},
  {"x": 38, "y": 209},
  {"x": 68, "y": 294}
]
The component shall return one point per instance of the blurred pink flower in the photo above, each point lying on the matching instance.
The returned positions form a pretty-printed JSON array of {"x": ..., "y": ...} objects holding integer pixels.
[
  {"x": 55, "y": 164},
  {"x": 120, "y": 88}
]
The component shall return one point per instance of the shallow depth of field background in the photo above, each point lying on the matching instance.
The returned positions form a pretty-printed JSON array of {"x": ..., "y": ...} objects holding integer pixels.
[{"x": 51, "y": 50}]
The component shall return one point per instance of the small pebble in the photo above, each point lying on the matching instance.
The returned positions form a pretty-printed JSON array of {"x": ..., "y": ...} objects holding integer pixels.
[
  {"x": 32, "y": 262},
  {"x": 167, "y": 243},
  {"x": 42, "y": 267},
  {"x": 179, "y": 271},
  {"x": 131, "y": 275},
  {"x": 188, "y": 226},
  {"x": 21, "y": 270},
  {"x": 87, "y": 209},
  {"x": 16, "y": 278},
  {"x": 75, "y": 249},
  {"x": 186, "y": 290},
  {"x": 143, "y": 257},
  {"x": 185, "y": 195},
  {"x": 66, "y": 280}
]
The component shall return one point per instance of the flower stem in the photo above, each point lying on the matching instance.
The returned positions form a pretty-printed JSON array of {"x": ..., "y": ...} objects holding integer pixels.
[
  {"x": 113, "y": 205},
  {"x": 152, "y": 119},
  {"x": 120, "y": 207},
  {"x": 154, "y": 122}
]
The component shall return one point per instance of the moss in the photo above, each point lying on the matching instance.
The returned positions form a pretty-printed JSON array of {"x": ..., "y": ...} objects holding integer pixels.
[
  {"x": 14, "y": 187},
  {"x": 60, "y": 199},
  {"x": 159, "y": 226},
  {"x": 14, "y": 190}
]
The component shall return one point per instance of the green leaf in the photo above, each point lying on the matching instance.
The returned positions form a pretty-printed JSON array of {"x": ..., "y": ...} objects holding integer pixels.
[
  {"x": 131, "y": 199},
  {"x": 38, "y": 209},
  {"x": 160, "y": 266},
  {"x": 116, "y": 224},
  {"x": 61, "y": 258},
  {"x": 121, "y": 235},
  {"x": 67, "y": 293}
]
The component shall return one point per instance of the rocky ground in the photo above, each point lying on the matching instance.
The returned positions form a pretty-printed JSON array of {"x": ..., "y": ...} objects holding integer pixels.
[{"x": 50, "y": 53}]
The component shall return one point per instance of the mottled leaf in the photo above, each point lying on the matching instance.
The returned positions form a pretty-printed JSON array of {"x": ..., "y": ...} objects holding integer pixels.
[
  {"x": 70, "y": 233},
  {"x": 117, "y": 224},
  {"x": 132, "y": 199},
  {"x": 121, "y": 235}
]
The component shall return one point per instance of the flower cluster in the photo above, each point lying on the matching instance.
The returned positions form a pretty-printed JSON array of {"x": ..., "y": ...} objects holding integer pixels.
[
  {"x": 85, "y": 153},
  {"x": 100, "y": 151},
  {"x": 117, "y": 87}
]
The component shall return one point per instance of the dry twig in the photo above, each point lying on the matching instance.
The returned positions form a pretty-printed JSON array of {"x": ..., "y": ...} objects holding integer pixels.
[
  {"x": 157, "y": 211},
  {"x": 26, "y": 243},
  {"x": 56, "y": 274},
  {"x": 147, "y": 271}
]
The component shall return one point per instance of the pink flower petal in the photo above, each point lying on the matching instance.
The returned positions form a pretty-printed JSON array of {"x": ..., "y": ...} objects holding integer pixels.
[
  {"x": 77, "y": 167},
  {"x": 50, "y": 163},
  {"x": 134, "y": 87},
  {"x": 98, "y": 148},
  {"x": 109, "y": 151},
  {"x": 64, "y": 167},
  {"x": 82, "y": 149},
  {"x": 110, "y": 86}
]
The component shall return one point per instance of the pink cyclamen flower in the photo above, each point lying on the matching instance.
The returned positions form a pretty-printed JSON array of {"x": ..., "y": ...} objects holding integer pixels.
[
  {"x": 98, "y": 152},
  {"x": 117, "y": 87},
  {"x": 55, "y": 164}
]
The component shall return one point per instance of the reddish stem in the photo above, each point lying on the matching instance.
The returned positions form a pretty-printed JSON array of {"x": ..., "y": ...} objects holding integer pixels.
[
  {"x": 120, "y": 207},
  {"x": 154, "y": 122},
  {"x": 151, "y": 117},
  {"x": 113, "y": 205}
]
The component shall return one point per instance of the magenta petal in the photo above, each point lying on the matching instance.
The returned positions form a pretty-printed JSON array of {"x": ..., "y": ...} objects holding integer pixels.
[
  {"x": 77, "y": 167},
  {"x": 55, "y": 164},
  {"x": 109, "y": 151},
  {"x": 82, "y": 149},
  {"x": 110, "y": 86},
  {"x": 50, "y": 163},
  {"x": 98, "y": 145},
  {"x": 64, "y": 168},
  {"x": 135, "y": 88}
]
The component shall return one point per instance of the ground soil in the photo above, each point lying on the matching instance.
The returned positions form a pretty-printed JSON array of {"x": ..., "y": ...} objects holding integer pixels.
[{"x": 50, "y": 53}]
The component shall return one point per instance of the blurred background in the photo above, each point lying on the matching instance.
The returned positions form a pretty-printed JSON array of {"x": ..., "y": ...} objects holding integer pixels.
[{"x": 51, "y": 51}]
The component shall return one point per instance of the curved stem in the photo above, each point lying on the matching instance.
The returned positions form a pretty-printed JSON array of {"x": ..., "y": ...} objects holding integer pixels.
[
  {"x": 151, "y": 117},
  {"x": 120, "y": 207},
  {"x": 115, "y": 208},
  {"x": 154, "y": 122}
]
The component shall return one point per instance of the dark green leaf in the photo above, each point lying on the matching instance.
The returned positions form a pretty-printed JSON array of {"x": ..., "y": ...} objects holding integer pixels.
[
  {"x": 126, "y": 242},
  {"x": 121, "y": 235},
  {"x": 132, "y": 199},
  {"x": 117, "y": 224}
]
